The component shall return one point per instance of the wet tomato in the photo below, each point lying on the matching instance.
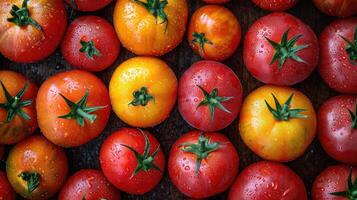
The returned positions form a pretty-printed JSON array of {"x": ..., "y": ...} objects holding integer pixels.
[
  {"x": 6, "y": 192},
  {"x": 338, "y": 8},
  {"x": 88, "y": 5},
  {"x": 275, "y": 5}
]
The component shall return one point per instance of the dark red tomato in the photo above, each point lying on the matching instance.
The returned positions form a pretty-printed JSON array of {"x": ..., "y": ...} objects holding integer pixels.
[
  {"x": 88, "y": 184},
  {"x": 203, "y": 165},
  {"x": 132, "y": 160},
  {"x": 31, "y": 29},
  {"x": 266, "y": 180},
  {"x": 332, "y": 184},
  {"x": 6, "y": 191},
  {"x": 280, "y": 55},
  {"x": 338, "y": 8},
  {"x": 338, "y": 59},
  {"x": 209, "y": 96},
  {"x": 275, "y": 5},
  {"x": 337, "y": 128},
  {"x": 88, "y": 5},
  {"x": 90, "y": 43},
  {"x": 216, "y": 1}
]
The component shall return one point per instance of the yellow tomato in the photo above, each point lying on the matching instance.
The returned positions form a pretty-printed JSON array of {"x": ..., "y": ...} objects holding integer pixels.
[{"x": 143, "y": 91}]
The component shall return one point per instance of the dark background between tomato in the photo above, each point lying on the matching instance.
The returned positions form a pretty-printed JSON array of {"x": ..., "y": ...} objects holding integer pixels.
[{"x": 307, "y": 167}]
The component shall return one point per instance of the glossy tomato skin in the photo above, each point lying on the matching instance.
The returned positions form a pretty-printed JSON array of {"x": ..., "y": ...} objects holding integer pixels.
[
  {"x": 332, "y": 179},
  {"x": 159, "y": 80},
  {"x": 335, "y": 67},
  {"x": 50, "y": 105},
  {"x": 258, "y": 52},
  {"x": 89, "y": 183},
  {"x": 214, "y": 21},
  {"x": 89, "y": 5},
  {"x": 143, "y": 34},
  {"x": 18, "y": 128},
  {"x": 37, "y": 154},
  {"x": 338, "y": 8},
  {"x": 209, "y": 75},
  {"x": 275, "y": 5},
  {"x": 29, "y": 44},
  {"x": 101, "y": 33},
  {"x": 118, "y": 163},
  {"x": 6, "y": 192},
  {"x": 336, "y": 135},
  {"x": 266, "y": 180}
]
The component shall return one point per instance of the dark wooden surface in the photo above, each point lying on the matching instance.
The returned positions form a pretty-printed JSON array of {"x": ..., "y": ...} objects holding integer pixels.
[{"x": 307, "y": 167}]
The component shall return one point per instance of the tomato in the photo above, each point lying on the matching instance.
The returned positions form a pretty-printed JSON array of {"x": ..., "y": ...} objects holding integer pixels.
[
  {"x": 17, "y": 107},
  {"x": 31, "y": 29},
  {"x": 36, "y": 168},
  {"x": 90, "y": 44},
  {"x": 143, "y": 91},
  {"x": 132, "y": 160},
  {"x": 6, "y": 192},
  {"x": 280, "y": 55},
  {"x": 210, "y": 96},
  {"x": 266, "y": 181},
  {"x": 277, "y": 123},
  {"x": 275, "y": 5},
  {"x": 338, "y": 60},
  {"x": 338, "y": 8},
  {"x": 88, "y": 5},
  {"x": 150, "y": 28},
  {"x": 73, "y": 108},
  {"x": 208, "y": 36},
  {"x": 88, "y": 184},
  {"x": 335, "y": 183},
  {"x": 203, "y": 164}
]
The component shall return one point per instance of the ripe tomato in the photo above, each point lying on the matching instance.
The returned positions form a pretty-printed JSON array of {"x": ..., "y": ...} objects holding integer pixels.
[
  {"x": 90, "y": 44},
  {"x": 88, "y": 5},
  {"x": 88, "y": 184},
  {"x": 31, "y": 29},
  {"x": 36, "y": 168},
  {"x": 275, "y": 5},
  {"x": 210, "y": 96},
  {"x": 150, "y": 28},
  {"x": 143, "y": 91},
  {"x": 277, "y": 123},
  {"x": 132, "y": 160},
  {"x": 337, "y": 128},
  {"x": 208, "y": 35},
  {"x": 203, "y": 165},
  {"x": 73, "y": 107},
  {"x": 17, "y": 107},
  {"x": 335, "y": 183},
  {"x": 338, "y": 61},
  {"x": 6, "y": 192},
  {"x": 338, "y": 8},
  {"x": 280, "y": 55},
  {"x": 266, "y": 181}
]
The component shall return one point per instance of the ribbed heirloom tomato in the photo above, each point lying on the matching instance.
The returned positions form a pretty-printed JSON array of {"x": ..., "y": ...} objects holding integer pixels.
[
  {"x": 152, "y": 27},
  {"x": 277, "y": 123},
  {"x": 31, "y": 29},
  {"x": 338, "y": 8},
  {"x": 73, "y": 108},
  {"x": 17, "y": 107},
  {"x": 275, "y": 5},
  {"x": 88, "y": 5},
  {"x": 6, "y": 192}
]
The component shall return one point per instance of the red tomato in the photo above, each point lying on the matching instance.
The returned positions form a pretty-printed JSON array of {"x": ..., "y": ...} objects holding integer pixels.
[
  {"x": 338, "y": 8},
  {"x": 209, "y": 96},
  {"x": 275, "y": 5},
  {"x": 73, "y": 108},
  {"x": 280, "y": 55},
  {"x": 332, "y": 184},
  {"x": 6, "y": 191},
  {"x": 90, "y": 44},
  {"x": 338, "y": 59},
  {"x": 132, "y": 160},
  {"x": 88, "y": 184},
  {"x": 266, "y": 180},
  {"x": 203, "y": 165},
  {"x": 216, "y": 1},
  {"x": 337, "y": 128},
  {"x": 88, "y": 5},
  {"x": 31, "y": 29}
]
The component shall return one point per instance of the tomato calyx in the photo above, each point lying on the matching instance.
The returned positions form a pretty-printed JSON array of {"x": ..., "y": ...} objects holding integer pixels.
[
  {"x": 213, "y": 101},
  {"x": 21, "y": 16},
  {"x": 14, "y": 104},
  {"x": 89, "y": 49},
  {"x": 353, "y": 117},
  {"x": 145, "y": 161},
  {"x": 80, "y": 111},
  {"x": 284, "y": 112},
  {"x": 351, "y": 192},
  {"x": 351, "y": 49},
  {"x": 201, "y": 149},
  {"x": 32, "y": 179},
  {"x": 141, "y": 97},
  {"x": 286, "y": 49},
  {"x": 200, "y": 39}
]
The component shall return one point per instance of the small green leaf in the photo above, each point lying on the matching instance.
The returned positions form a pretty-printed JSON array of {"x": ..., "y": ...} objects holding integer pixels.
[
  {"x": 21, "y": 16},
  {"x": 141, "y": 97},
  {"x": 32, "y": 179}
]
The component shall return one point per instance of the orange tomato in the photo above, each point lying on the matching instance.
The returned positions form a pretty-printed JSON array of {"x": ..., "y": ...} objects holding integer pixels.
[{"x": 284, "y": 135}]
